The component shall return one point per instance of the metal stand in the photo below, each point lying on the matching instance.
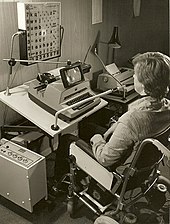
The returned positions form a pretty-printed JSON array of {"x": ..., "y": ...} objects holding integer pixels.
[{"x": 12, "y": 62}]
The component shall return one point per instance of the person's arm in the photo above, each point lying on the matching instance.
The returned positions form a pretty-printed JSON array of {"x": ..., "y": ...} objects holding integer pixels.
[
  {"x": 109, "y": 153},
  {"x": 110, "y": 131}
]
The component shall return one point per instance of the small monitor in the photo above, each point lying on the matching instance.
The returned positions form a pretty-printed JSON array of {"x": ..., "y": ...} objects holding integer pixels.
[{"x": 72, "y": 75}]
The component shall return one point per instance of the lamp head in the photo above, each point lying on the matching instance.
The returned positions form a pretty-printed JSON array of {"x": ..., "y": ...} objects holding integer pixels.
[{"x": 114, "y": 41}]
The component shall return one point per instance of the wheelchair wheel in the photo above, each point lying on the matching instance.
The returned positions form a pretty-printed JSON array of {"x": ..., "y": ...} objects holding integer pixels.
[
  {"x": 103, "y": 219},
  {"x": 164, "y": 183},
  {"x": 159, "y": 196}
]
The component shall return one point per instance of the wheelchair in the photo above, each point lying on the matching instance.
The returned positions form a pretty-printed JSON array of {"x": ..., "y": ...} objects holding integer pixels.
[{"x": 110, "y": 193}]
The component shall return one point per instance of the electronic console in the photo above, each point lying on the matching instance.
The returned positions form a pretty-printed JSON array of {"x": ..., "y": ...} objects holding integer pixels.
[
  {"x": 55, "y": 92},
  {"x": 23, "y": 175}
]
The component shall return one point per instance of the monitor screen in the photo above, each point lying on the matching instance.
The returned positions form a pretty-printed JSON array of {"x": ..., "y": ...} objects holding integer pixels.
[{"x": 72, "y": 75}]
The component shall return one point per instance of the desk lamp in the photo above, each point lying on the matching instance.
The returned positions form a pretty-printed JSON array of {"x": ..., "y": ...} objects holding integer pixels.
[
  {"x": 114, "y": 41},
  {"x": 94, "y": 50}
]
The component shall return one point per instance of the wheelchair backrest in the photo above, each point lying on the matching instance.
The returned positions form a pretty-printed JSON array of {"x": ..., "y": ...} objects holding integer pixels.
[
  {"x": 147, "y": 155},
  {"x": 164, "y": 137},
  {"x": 149, "y": 152},
  {"x": 147, "y": 158}
]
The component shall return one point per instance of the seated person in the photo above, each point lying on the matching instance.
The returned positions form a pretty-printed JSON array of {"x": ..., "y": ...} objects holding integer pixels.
[{"x": 146, "y": 117}]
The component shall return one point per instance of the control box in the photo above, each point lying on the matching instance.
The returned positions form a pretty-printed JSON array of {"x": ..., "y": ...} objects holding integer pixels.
[{"x": 22, "y": 174}]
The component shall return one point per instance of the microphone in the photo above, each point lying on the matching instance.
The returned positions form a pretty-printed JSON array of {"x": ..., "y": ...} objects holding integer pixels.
[{"x": 56, "y": 127}]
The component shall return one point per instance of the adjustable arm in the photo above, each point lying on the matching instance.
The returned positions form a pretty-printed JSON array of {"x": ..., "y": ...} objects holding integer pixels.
[
  {"x": 56, "y": 127},
  {"x": 37, "y": 61},
  {"x": 12, "y": 61}
]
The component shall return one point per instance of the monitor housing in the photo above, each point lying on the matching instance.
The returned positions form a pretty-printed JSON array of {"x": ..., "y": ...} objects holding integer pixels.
[{"x": 72, "y": 75}]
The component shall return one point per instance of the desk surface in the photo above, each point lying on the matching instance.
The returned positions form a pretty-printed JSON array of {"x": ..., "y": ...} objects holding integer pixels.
[{"x": 21, "y": 103}]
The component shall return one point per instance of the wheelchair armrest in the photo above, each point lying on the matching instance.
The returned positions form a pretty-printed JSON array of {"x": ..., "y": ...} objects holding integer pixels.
[
  {"x": 85, "y": 147},
  {"x": 84, "y": 159}
]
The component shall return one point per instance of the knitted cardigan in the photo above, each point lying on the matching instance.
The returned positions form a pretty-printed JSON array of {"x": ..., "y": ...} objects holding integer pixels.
[{"x": 146, "y": 118}]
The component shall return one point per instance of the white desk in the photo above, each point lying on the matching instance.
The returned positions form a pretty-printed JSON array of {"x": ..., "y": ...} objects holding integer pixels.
[{"x": 21, "y": 103}]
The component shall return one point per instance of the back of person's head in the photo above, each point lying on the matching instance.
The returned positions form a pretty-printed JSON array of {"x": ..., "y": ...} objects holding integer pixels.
[{"x": 153, "y": 71}]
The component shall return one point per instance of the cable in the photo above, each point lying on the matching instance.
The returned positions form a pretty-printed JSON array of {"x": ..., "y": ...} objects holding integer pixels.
[
  {"x": 62, "y": 35},
  {"x": 86, "y": 54}
]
